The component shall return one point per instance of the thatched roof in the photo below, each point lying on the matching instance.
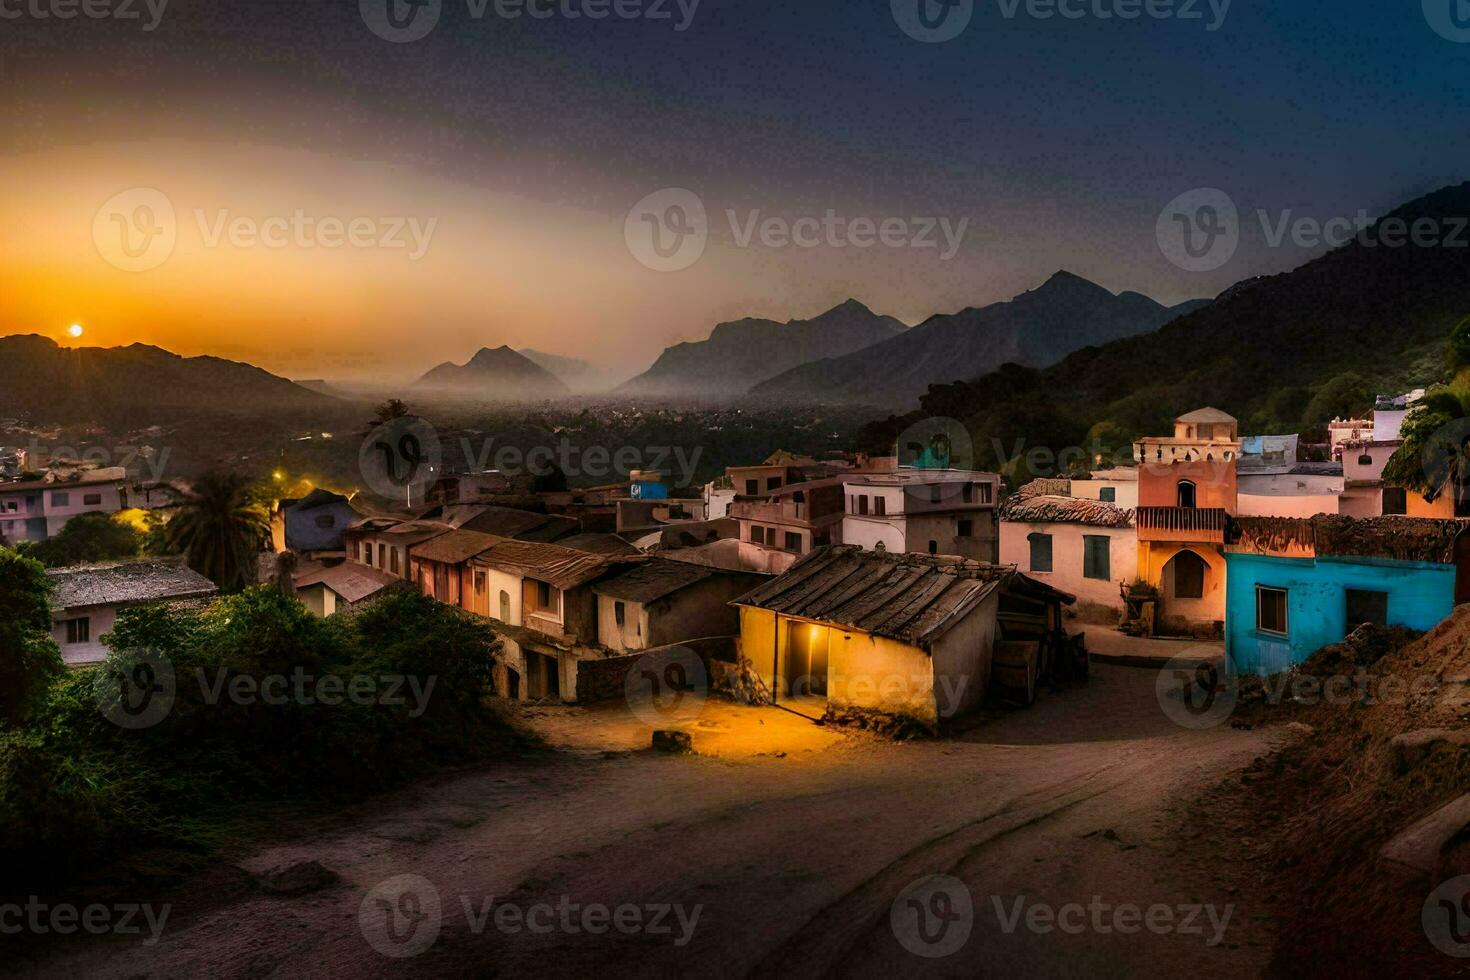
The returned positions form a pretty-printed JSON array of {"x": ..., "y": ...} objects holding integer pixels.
[
  {"x": 1065, "y": 510},
  {"x": 1333, "y": 535}
]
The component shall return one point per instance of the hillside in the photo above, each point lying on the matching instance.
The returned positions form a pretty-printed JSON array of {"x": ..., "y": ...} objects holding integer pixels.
[
  {"x": 1282, "y": 353},
  {"x": 492, "y": 375},
  {"x": 743, "y": 353},
  {"x": 1037, "y": 328},
  {"x": 581, "y": 376},
  {"x": 138, "y": 383}
]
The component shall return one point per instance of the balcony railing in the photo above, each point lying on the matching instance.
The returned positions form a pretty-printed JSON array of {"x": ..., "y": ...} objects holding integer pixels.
[{"x": 1181, "y": 524}]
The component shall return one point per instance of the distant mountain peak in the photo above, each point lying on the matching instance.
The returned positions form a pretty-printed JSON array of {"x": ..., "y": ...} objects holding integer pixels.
[{"x": 494, "y": 374}]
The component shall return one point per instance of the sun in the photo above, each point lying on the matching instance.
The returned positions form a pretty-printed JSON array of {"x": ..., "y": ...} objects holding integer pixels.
[{"x": 75, "y": 330}]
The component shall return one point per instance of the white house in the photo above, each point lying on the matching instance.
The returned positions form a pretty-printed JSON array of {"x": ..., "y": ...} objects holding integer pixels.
[
  {"x": 87, "y": 598},
  {"x": 924, "y": 511},
  {"x": 1079, "y": 545}
]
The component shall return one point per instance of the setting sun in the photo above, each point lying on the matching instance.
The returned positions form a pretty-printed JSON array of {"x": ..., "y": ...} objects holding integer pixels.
[{"x": 75, "y": 329}]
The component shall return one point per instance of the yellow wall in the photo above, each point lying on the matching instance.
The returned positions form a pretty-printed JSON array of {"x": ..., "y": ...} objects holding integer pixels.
[{"x": 1153, "y": 556}]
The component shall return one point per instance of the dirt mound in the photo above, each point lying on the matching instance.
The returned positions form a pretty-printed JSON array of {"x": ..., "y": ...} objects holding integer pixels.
[{"x": 1363, "y": 647}]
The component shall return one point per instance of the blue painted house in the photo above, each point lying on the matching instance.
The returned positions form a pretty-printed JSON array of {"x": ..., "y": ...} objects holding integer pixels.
[
  {"x": 1295, "y": 585},
  {"x": 317, "y": 521}
]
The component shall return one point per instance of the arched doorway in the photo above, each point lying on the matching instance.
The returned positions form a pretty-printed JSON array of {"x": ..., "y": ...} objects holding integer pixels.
[{"x": 1184, "y": 576}]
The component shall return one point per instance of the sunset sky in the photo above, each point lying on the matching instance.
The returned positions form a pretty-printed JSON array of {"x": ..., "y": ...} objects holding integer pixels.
[{"x": 1059, "y": 142}]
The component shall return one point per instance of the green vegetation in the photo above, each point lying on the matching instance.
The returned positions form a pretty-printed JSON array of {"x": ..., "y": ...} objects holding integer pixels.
[
  {"x": 87, "y": 538},
  {"x": 269, "y": 704},
  {"x": 221, "y": 528},
  {"x": 29, "y": 658}
]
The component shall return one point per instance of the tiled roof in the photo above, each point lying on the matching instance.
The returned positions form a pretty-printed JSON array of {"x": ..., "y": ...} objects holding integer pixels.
[
  {"x": 652, "y": 580},
  {"x": 1050, "y": 509},
  {"x": 349, "y": 580},
  {"x": 1206, "y": 415},
  {"x": 564, "y": 568},
  {"x": 911, "y": 598},
  {"x": 454, "y": 547},
  {"x": 126, "y": 582},
  {"x": 598, "y": 544}
]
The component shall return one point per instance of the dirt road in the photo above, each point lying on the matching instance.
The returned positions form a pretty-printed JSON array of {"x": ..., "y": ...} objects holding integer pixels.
[{"x": 1059, "y": 827}]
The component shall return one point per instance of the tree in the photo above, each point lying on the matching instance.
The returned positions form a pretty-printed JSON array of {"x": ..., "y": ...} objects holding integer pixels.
[
  {"x": 1346, "y": 396},
  {"x": 1433, "y": 457},
  {"x": 393, "y": 408},
  {"x": 220, "y": 529},
  {"x": 1457, "y": 353},
  {"x": 29, "y": 658},
  {"x": 86, "y": 538}
]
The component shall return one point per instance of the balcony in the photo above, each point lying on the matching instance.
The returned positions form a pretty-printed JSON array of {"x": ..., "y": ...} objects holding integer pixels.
[{"x": 1191, "y": 524}]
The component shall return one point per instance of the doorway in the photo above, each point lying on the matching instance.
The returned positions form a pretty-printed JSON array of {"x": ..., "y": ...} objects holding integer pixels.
[{"x": 805, "y": 669}]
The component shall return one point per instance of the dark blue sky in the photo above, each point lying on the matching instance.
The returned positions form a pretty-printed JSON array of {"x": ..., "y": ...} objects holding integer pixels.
[{"x": 1060, "y": 140}]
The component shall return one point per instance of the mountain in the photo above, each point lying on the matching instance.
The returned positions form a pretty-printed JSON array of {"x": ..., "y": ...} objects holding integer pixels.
[
  {"x": 494, "y": 374},
  {"x": 1282, "y": 353},
  {"x": 743, "y": 353},
  {"x": 1037, "y": 328},
  {"x": 42, "y": 380},
  {"x": 583, "y": 377}
]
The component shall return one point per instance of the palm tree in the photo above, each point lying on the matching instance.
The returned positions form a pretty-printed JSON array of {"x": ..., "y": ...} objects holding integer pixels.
[
  {"x": 221, "y": 529},
  {"x": 1436, "y": 433}
]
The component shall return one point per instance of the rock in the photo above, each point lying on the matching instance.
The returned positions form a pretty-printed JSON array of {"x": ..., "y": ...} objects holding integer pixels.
[
  {"x": 1299, "y": 728},
  {"x": 1412, "y": 748},
  {"x": 300, "y": 878},
  {"x": 673, "y": 741},
  {"x": 1418, "y": 850}
]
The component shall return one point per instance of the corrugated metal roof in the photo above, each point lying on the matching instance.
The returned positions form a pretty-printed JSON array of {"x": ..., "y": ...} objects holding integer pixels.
[{"x": 906, "y": 597}]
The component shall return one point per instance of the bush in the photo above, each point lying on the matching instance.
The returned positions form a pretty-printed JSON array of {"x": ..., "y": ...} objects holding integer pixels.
[
  {"x": 88, "y": 538},
  {"x": 29, "y": 658}
]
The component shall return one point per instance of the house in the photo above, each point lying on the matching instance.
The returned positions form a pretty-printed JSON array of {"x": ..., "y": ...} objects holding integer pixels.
[
  {"x": 598, "y": 544},
  {"x": 1268, "y": 453},
  {"x": 509, "y": 522},
  {"x": 1296, "y": 585},
  {"x": 456, "y": 488},
  {"x": 930, "y": 511},
  {"x": 780, "y": 524},
  {"x": 541, "y": 597},
  {"x": 659, "y": 602},
  {"x": 1117, "y": 486},
  {"x": 1343, "y": 431},
  {"x": 1080, "y": 545},
  {"x": 317, "y": 522},
  {"x": 329, "y": 589},
  {"x": 1186, "y": 491},
  {"x": 850, "y": 632},
  {"x": 719, "y": 494},
  {"x": 642, "y": 515},
  {"x": 86, "y": 600},
  {"x": 35, "y": 510},
  {"x": 440, "y": 565},
  {"x": 1297, "y": 489},
  {"x": 384, "y": 542}
]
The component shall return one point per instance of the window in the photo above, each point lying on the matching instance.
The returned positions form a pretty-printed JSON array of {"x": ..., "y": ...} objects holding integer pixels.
[
  {"x": 966, "y": 529},
  {"x": 382, "y": 556},
  {"x": 967, "y": 493},
  {"x": 480, "y": 581},
  {"x": 393, "y": 561},
  {"x": 60, "y": 499},
  {"x": 935, "y": 493},
  {"x": 1366, "y": 607},
  {"x": 620, "y": 613},
  {"x": 752, "y": 488},
  {"x": 757, "y": 534},
  {"x": 862, "y": 503},
  {"x": 1271, "y": 610},
  {"x": 1365, "y": 460},
  {"x": 793, "y": 542},
  {"x": 773, "y": 483},
  {"x": 933, "y": 547},
  {"x": 1189, "y": 575},
  {"x": 987, "y": 493},
  {"x": 1096, "y": 558},
  {"x": 1040, "y": 551},
  {"x": 92, "y": 500},
  {"x": 1187, "y": 494},
  {"x": 1395, "y": 501},
  {"x": 880, "y": 505},
  {"x": 78, "y": 630},
  {"x": 504, "y": 606},
  {"x": 1108, "y": 495},
  {"x": 322, "y": 520},
  {"x": 354, "y": 550}
]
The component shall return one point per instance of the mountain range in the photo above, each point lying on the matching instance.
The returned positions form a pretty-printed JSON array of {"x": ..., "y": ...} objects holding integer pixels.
[
  {"x": 745, "y": 352},
  {"x": 1037, "y": 328},
  {"x": 496, "y": 374}
]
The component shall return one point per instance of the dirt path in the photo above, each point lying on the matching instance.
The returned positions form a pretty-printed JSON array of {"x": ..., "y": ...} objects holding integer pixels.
[{"x": 791, "y": 864}]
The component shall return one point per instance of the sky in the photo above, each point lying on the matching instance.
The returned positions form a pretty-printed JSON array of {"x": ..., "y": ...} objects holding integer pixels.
[{"x": 298, "y": 184}]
